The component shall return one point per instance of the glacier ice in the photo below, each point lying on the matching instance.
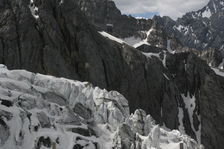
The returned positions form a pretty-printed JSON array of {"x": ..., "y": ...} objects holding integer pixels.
[{"x": 39, "y": 111}]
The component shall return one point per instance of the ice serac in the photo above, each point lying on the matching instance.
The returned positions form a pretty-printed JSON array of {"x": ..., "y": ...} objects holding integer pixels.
[{"x": 40, "y": 111}]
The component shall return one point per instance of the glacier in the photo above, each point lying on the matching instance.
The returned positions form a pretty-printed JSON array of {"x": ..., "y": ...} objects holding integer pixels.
[{"x": 41, "y": 112}]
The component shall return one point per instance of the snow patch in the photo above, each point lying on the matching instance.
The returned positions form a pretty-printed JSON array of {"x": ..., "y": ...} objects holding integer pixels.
[
  {"x": 222, "y": 3},
  {"x": 107, "y": 35},
  {"x": 164, "y": 59},
  {"x": 207, "y": 13},
  {"x": 61, "y": 2},
  {"x": 190, "y": 105},
  {"x": 181, "y": 117},
  {"x": 149, "y": 32},
  {"x": 166, "y": 76},
  {"x": 140, "y": 44},
  {"x": 149, "y": 55},
  {"x": 141, "y": 18},
  {"x": 169, "y": 47},
  {"x": 218, "y": 72},
  {"x": 144, "y": 41},
  {"x": 33, "y": 9},
  {"x": 221, "y": 65},
  {"x": 182, "y": 29},
  {"x": 214, "y": 6},
  {"x": 132, "y": 40}
]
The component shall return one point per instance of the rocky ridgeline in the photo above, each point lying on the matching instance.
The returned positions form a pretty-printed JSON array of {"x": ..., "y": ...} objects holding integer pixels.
[
  {"x": 158, "y": 38},
  {"x": 38, "y": 111},
  {"x": 103, "y": 12},
  {"x": 199, "y": 31}
]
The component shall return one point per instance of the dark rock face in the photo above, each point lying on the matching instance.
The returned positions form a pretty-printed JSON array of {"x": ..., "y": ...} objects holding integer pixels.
[
  {"x": 156, "y": 36},
  {"x": 78, "y": 146},
  {"x": 194, "y": 76},
  {"x": 6, "y": 103},
  {"x": 58, "y": 40},
  {"x": 149, "y": 49},
  {"x": 213, "y": 57},
  {"x": 43, "y": 142},
  {"x": 103, "y": 12},
  {"x": 62, "y": 43},
  {"x": 84, "y": 132}
]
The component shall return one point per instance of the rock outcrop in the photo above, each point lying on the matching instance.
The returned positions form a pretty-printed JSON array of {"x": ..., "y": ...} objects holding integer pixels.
[
  {"x": 104, "y": 12},
  {"x": 201, "y": 92}
]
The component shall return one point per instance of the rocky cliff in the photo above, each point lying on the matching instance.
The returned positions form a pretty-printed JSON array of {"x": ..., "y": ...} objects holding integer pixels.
[
  {"x": 54, "y": 37},
  {"x": 200, "y": 30},
  {"x": 103, "y": 12}
]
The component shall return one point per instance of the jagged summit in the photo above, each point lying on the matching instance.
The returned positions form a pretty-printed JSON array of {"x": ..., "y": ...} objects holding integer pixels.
[
  {"x": 206, "y": 25},
  {"x": 213, "y": 7},
  {"x": 103, "y": 12}
]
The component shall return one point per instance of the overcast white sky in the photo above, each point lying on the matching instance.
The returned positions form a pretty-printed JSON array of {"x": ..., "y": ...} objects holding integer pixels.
[{"x": 172, "y": 8}]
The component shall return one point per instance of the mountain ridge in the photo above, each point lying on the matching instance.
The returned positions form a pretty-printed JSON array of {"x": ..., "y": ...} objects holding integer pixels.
[{"x": 56, "y": 38}]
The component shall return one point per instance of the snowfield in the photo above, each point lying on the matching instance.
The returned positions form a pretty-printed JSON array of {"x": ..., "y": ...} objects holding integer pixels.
[
  {"x": 218, "y": 72},
  {"x": 42, "y": 112}
]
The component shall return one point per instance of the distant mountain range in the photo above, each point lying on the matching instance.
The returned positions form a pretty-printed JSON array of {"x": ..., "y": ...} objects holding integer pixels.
[{"x": 200, "y": 30}]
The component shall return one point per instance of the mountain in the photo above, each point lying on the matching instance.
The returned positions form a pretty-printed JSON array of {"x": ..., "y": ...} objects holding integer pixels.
[
  {"x": 201, "y": 30},
  {"x": 104, "y": 12},
  {"x": 204, "y": 27},
  {"x": 57, "y": 38},
  {"x": 40, "y": 111}
]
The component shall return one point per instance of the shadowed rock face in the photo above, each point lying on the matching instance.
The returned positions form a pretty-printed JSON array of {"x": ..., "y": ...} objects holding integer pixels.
[
  {"x": 196, "y": 31},
  {"x": 103, "y": 12},
  {"x": 194, "y": 76},
  {"x": 57, "y": 39},
  {"x": 61, "y": 42}
]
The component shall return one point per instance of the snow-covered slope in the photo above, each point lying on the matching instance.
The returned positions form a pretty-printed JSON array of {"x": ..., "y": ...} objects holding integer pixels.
[
  {"x": 111, "y": 37},
  {"x": 39, "y": 112},
  {"x": 218, "y": 72}
]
